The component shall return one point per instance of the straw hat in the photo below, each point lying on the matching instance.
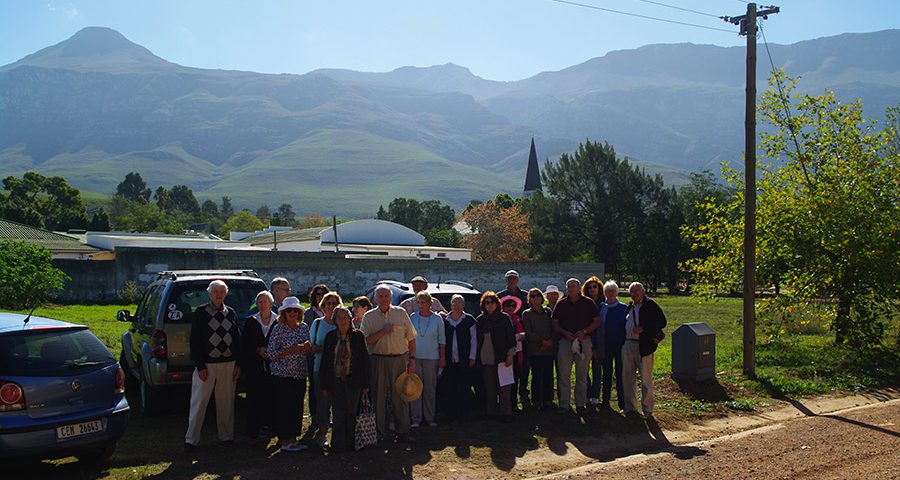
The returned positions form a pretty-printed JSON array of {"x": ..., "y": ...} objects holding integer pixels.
[{"x": 408, "y": 386}]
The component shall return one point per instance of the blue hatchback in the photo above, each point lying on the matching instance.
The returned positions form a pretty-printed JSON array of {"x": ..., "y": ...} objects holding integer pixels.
[{"x": 62, "y": 392}]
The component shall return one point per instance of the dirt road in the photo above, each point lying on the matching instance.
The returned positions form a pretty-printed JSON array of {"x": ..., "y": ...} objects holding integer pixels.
[{"x": 855, "y": 443}]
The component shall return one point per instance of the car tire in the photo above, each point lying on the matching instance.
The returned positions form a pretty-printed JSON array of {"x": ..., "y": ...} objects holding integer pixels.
[
  {"x": 149, "y": 398},
  {"x": 97, "y": 457}
]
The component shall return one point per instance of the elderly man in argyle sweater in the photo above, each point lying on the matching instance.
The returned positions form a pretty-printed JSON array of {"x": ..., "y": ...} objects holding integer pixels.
[{"x": 215, "y": 344}]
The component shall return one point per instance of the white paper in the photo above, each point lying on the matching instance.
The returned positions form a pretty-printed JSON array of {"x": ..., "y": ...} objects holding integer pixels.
[{"x": 505, "y": 374}]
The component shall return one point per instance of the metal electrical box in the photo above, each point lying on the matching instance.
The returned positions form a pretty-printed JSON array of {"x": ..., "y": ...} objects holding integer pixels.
[{"x": 694, "y": 352}]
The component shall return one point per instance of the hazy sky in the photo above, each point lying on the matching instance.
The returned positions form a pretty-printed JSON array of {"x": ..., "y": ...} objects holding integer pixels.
[{"x": 496, "y": 39}]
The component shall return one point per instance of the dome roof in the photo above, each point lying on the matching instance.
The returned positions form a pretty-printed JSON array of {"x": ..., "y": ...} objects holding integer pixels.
[{"x": 373, "y": 232}]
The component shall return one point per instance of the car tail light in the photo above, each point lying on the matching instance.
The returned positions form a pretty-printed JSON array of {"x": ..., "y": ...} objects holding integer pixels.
[
  {"x": 120, "y": 381},
  {"x": 159, "y": 344},
  {"x": 11, "y": 397}
]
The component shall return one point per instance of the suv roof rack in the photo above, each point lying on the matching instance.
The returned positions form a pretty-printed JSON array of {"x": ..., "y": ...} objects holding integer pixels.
[
  {"x": 460, "y": 283},
  {"x": 175, "y": 274}
]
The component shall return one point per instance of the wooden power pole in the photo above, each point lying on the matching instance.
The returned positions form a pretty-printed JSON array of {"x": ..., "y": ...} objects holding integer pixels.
[{"x": 747, "y": 24}]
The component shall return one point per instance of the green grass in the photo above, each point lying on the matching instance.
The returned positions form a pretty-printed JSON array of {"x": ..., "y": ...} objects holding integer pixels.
[{"x": 100, "y": 318}]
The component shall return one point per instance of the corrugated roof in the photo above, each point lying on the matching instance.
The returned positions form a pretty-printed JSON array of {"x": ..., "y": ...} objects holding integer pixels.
[
  {"x": 54, "y": 242},
  {"x": 290, "y": 235}
]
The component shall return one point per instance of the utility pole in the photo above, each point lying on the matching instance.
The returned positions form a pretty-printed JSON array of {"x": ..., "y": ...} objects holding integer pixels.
[{"x": 747, "y": 24}]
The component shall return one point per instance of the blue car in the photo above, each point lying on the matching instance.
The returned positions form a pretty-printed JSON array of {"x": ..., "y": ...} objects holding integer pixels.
[{"x": 62, "y": 392}]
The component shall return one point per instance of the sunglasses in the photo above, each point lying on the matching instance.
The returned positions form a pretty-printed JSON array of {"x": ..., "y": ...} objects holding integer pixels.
[
  {"x": 486, "y": 302},
  {"x": 332, "y": 304},
  {"x": 535, "y": 295}
]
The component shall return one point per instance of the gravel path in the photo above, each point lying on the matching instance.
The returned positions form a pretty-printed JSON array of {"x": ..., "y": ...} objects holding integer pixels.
[{"x": 856, "y": 443}]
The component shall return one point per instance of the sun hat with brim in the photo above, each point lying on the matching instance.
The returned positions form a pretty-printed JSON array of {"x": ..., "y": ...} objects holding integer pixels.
[
  {"x": 552, "y": 289},
  {"x": 289, "y": 303},
  {"x": 511, "y": 298},
  {"x": 512, "y": 273},
  {"x": 408, "y": 386}
]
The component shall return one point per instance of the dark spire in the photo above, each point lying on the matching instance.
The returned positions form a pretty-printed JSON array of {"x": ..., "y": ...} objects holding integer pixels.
[{"x": 533, "y": 176}]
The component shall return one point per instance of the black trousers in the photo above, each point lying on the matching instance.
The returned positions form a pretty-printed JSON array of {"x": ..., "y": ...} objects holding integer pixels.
[
  {"x": 541, "y": 380},
  {"x": 310, "y": 358},
  {"x": 613, "y": 356},
  {"x": 344, "y": 406},
  {"x": 260, "y": 402},
  {"x": 289, "y": 394},
  {"x": 456, "y": 397}
]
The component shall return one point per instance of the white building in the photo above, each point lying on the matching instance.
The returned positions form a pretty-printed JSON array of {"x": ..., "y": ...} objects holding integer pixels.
[{"x": 359, "y": 238}]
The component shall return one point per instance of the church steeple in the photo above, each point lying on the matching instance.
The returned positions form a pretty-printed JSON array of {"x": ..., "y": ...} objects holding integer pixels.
[{"x": 533, "y": 175}]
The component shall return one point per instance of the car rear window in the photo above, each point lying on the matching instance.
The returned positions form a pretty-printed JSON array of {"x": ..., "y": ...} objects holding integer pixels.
[
  {"x": 187, "y": 296},
  {"x": 52, "y": 352}
]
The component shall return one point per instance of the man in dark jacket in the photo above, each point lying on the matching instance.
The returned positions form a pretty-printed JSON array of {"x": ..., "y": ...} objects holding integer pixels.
[
  {"x": 644, "y": 322},
  {"x": 215, "y": 343}
]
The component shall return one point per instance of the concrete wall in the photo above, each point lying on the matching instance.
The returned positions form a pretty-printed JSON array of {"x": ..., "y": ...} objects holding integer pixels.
[{"x": 98, "y": 281}]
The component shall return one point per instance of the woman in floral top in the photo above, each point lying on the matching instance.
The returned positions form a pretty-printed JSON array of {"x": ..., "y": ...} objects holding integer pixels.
[{"x": 288, "y": 346}]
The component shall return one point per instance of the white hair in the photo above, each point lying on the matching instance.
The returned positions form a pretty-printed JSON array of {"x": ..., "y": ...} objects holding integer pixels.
[
  {"x": 635, "y": 286},
  {"x": 216, "y": 283},
  {"x": 278, "y": 281},
  {"x": 383, "y": 287},
  {"x": 611, "y": 285},
  {"x": 457, "y": 298},
  {"x": 265, "y": 293}
]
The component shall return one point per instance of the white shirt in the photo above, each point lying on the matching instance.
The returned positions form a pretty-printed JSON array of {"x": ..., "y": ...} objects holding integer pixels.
[
  {"x": 454, "y": 349},
  {"x": 265, "y": 328},
  {"x": 633, "y": 320}
]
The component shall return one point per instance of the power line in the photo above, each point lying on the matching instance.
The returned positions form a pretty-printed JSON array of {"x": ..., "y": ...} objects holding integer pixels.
[
  {"x": 680, "y": 8},
  {"x": 785, "y": 105},
  {"x": 647, "y": 17}
]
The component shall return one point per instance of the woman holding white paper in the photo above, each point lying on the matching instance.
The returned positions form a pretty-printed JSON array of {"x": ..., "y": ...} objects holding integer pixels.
[{"x": 496, "y": 347}]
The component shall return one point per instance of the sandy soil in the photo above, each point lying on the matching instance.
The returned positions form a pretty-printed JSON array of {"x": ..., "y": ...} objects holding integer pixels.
[{"x": 815, "y": 441}]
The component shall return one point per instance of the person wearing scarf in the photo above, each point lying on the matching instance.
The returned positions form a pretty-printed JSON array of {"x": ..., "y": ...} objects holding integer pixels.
[{"x": 344, "y": 377}]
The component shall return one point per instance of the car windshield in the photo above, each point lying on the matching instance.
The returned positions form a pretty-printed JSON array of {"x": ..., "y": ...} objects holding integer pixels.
[
  {"x": 52, "y": 352},
  {"x": 187, "y": 296}
]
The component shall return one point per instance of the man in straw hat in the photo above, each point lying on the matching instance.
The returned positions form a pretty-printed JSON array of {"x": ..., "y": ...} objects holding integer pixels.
[{"x": 392, "y": 340}]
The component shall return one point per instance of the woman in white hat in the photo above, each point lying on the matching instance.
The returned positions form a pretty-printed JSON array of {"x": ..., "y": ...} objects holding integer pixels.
[{"x": 288, "y": 345}]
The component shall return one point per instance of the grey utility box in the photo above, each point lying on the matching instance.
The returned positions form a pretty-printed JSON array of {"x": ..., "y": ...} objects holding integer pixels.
[{"x": 694, "y": 352}]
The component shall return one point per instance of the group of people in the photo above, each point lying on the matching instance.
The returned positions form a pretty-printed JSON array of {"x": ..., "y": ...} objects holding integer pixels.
[{"x": 457, "y": 363}]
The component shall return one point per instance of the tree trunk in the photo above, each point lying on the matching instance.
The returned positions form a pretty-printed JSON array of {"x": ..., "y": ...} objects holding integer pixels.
[{"x": 842, "y": 322}]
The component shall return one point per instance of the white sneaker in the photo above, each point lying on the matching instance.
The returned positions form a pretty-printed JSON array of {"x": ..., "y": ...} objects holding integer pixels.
[
  {"x": 432, "y": 424},
  {"x": 414, "y": 425}
]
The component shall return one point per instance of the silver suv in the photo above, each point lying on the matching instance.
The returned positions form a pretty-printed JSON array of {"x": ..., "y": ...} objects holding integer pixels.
[{"x": 156, "y": 349}]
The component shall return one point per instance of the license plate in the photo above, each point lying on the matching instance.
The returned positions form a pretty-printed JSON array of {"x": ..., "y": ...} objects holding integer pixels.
[{"x": 78, "y": 429}]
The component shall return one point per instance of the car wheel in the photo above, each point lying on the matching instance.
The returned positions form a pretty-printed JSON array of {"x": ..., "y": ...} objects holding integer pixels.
[
  {"x": 149, "y": 399},
  {"x": 97, "y": 457}
]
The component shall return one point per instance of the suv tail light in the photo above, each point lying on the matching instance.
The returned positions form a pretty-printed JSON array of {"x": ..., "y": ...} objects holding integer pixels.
[
  {"x": 11, "y": 397},
  {"x": 159, "y": 344},
  {"x": 120, "y": 381}
]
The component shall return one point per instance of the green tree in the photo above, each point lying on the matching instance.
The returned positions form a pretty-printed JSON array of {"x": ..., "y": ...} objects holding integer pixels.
[
  {"x": 27, "y": 275},
  {"x": 443, "y": 237},
  {"x": 209, "y": 210},
  {"x": 227, "y": 209},
  {"x": 284, "y": 216},
  {"x": 162, "y": 198},
  {"x": 828, "y": 214},
  {"x": 134, "y": 188},
  {"x": 39, "y": 201},
  {"x": 431, "y": 218},
  {"x": 181, "y": 198},
  {"x": 243, "y": 221},
  {"x": 99, "y": 221},
  {"x": 149, "y": 218},
  {"x": 600, "y": 207},
  {"x": 263, "y": 213}
]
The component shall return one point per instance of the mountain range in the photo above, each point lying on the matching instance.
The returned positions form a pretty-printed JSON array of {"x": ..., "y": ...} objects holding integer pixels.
[{"x": 97, "y": 106}]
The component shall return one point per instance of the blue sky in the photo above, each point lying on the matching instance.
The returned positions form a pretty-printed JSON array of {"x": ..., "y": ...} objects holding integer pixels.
[{"x": 496, "y": 39}]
